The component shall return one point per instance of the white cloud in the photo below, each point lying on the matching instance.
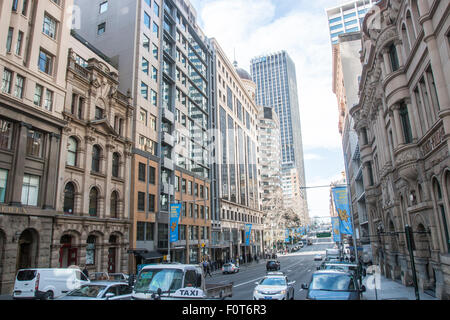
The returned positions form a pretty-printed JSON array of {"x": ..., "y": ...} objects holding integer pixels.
[
  {"x": 312, "y": 156},
  {"x": 250, "y": 28}
]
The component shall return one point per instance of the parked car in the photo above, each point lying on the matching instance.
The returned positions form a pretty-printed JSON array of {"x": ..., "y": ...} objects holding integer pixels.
[
  {"x": 274, "y": 287},
  {"x": 100, "y": 290},
  {"x": 118, "y": 277},
  {"x": 333, "y": 285},
  {"x": 47, "y": 284},
  {"x": 230, "y": 268},
  {"x": 318, "y": 257},
  {"x": 96, "y": 276},
  {"x": 273, "y": 265}
]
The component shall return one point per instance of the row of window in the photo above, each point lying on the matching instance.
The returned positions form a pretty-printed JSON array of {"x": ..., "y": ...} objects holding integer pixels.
[
  {"x": 145, "y": 232},
  {"x": 238, "y": 216},
  {"x": 34, "y": 143}
]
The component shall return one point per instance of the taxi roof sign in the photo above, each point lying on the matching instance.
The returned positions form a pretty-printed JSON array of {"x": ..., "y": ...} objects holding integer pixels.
[{"x": 189, "y": 292}]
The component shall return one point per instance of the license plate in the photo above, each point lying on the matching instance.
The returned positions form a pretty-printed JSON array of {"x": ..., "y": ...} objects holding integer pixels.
[
  {"x": 17, "y": 292},
  {"x": 268, "y": 298}
]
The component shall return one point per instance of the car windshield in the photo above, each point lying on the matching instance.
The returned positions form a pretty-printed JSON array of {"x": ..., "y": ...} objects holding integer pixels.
[
  {"x": 272, "y": 262},
  {"x": 331, "y": 282},
  {"x": 227, "y": 265},
  {"x": 150, "y": 280},
  {"x": 88, "y": 290},
  {"x": 272, "y": 281}
]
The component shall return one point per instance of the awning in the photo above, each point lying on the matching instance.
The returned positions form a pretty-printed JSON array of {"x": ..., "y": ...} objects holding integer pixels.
[{"x": 147, "y": 255}]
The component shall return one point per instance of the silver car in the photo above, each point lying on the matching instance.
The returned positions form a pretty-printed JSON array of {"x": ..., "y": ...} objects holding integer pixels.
[
  {"x": 100, "y": 290},
  {"x": 274, "y": 287}
]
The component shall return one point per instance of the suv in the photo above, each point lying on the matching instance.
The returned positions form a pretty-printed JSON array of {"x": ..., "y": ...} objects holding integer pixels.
[{"x": 273, "y": 265}]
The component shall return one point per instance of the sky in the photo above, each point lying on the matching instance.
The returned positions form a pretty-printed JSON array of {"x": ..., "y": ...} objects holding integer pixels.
[{"x": 249, "y": 28}]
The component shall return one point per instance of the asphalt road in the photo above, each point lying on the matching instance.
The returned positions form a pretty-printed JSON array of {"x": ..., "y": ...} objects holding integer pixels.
[{"x": 297, "y": 266}]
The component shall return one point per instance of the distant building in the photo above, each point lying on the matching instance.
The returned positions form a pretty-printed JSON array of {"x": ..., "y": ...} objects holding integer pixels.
[
  {"x": 347, "y": 17},
  {"x": 276, "y": 83}
]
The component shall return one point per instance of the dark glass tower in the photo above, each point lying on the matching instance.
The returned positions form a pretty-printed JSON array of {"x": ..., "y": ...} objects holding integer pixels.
[{"x": 276, "y": 87}]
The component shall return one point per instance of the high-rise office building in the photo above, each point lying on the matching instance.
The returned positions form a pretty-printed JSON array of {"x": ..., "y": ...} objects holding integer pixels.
[
  {"x": 165, "y": 61},
  {"x": 347, "y": 17},
  {"x": 276, "y": 84}
]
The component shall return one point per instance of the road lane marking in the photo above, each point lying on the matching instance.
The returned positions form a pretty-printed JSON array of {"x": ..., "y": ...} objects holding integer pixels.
[{"x": 241, "y": 284}]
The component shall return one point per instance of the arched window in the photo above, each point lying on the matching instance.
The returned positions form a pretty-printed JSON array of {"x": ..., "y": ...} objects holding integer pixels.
[
  {"x": 115, "y": 164},
  {"x": 405, "y": 40},
  {"x": 90, "y": 250},
  {"x": 410, "y": 26},
  {"x": 441, "y": 211},
  {"x": 72, "y": 147},
  {"x": 69, "y": 198},
  {"x": 114, "y": 207},
  {"x": 93, "y": 202},
  {"x": 96, "y": 154},
  {"x": 395, "y": 65}
]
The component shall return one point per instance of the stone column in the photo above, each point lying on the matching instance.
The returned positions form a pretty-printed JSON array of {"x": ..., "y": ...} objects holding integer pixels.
[
  {"x": 394, "y": 130},
  {"x": 19, "y": 164},
  {"x": 52, "y": 171},
  {"x": 84, "y": 208},
  {"x": 387, "y": 62},
  {"x": 398, "y": 47},
  {"x": 398, "y": 126},
  {"x": 413, "y": 119},
  {"x": 383, "y": 67}
]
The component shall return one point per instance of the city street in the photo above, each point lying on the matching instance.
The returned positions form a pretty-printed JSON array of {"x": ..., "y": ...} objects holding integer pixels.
[{"x": 297, "y": 266}]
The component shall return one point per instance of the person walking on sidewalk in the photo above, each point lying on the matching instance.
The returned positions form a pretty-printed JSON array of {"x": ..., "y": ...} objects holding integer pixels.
[{"x": 208, "y": 268}]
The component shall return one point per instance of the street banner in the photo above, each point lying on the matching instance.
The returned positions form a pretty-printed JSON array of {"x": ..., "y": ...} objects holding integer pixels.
[
  {"x": 174, "y": 216},
  {"x": 307, "y": 228},
  {"x": 336, "y": 229},
  {"x": 343, "y": 209},
  {"x": 286, "y": 235},
  {"x": 248, "y": 229}
]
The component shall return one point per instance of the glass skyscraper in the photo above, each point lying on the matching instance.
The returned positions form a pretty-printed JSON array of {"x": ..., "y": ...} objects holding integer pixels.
[{"x": 275, "y": 78}]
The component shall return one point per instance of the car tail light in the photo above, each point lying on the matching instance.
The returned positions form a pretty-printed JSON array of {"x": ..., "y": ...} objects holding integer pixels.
[{"x": 36, "y": 286}]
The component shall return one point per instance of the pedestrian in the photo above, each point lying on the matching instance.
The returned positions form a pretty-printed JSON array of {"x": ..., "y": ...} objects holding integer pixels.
[
  {"x": 86, "y": 272},
  {"x": 205, "y": 266},
  {"x": 208, "y": 268}
]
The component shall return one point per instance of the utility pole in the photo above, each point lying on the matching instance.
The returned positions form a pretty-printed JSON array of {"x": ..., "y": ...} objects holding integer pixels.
[{"x": 411, "y": 247}]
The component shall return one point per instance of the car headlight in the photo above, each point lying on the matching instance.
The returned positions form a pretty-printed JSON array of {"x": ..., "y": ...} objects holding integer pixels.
[{"x": 282, "y": 292}]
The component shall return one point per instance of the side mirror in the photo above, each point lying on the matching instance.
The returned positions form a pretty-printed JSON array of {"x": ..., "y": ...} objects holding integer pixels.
[
  {"x": 304, "y": 286},
  {"x": 256, "y": 282},
  {"x": 109, "y": 295}
]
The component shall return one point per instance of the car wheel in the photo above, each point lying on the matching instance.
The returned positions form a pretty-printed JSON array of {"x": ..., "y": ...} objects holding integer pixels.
[{"x": 48, "y": 295}]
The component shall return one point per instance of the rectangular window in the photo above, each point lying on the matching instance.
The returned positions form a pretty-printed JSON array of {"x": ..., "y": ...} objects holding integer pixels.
[
  {"x": 151, "y": 203},
  {"x": 6, "y": 81},
  {"x": 155, "y": 51},
  {"x": 162, "y": 235},
  {"x": 45, "y": 62},
  {"x": 19, "y": 43},
  {"x": 151, "y": 175},
  {"x": 177, "y": 183},
  {"x": 18, "y": 91},
  {"x": 3, "y": 180},
  {"x": 149, "y": 231},
  {"x": 5, "y": 134},
  {"x": 183, "y": 185},
  {"x": 182, "y": 232},
  {"x": 190, "y": 187},
  {"x": 98, "y": 113},
  {"x": 143, "y": 116},
  {"x": 48, "y": 102},
  {"x": 15, "y": 3},
  {"x": 156, "y": 9},
  {"x": 144, "y": 90},
  {"x": 153, "y": 122},
  {"x": 154, "y": 73},
  {"x": 141, "y": 172},
  {"x": 141, "y": 201},
  {"x": 103, "y": 7},
  {"x": 30, "y": 190},
  {"x": 406, "y": 125},
  {"x": 146, "y": 42},
  {"x": 154, "y": 98},
  {"x": 155, "y": 30},
  {"x": 140, "y": 231},
  {"x": 35, "y": 141},
  {"x": 49, "y": 27},
  {"x": 144, "y": 65},
  {"x": 9, "y": 39},
  {"x": 101, "y": 28},
  {"x": 146, "y": 20}
]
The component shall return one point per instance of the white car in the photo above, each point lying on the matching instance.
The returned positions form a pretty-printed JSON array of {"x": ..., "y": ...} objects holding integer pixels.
[
  {"x": 274, "y": 287},
  {"x": 318, "y": 257},
  {"x": 230, "y": 268}
]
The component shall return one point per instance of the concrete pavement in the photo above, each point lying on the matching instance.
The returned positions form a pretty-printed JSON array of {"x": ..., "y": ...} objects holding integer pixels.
[{"x": 387, "y": 289}]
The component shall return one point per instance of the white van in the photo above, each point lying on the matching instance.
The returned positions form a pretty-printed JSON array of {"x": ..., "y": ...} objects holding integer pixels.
[{"x": 47, "y": 283}]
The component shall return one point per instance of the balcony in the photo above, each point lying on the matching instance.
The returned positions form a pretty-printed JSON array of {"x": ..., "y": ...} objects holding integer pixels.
[
  {"x": 406, "y": 161},
  {"x": 168, "y": 115},
  {"x": 168, "y": 139},
  {"x": 167, "y": 163}
]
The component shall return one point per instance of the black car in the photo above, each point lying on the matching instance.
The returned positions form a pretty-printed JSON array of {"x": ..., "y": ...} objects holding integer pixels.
[{"x": 273, "y": 265}]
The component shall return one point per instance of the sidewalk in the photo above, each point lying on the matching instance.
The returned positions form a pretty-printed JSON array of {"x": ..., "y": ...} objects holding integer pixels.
[{"x": 390, "y": 290}]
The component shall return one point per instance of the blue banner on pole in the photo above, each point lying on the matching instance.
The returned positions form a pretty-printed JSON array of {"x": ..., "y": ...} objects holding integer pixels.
[
  {"x": 286, "y": 235},
  {"x": 174, "y": 216},
  {"x": 336, "y": 229},
  {"x": 248, "y": 229},
  {"x": 343, "y": 209}
]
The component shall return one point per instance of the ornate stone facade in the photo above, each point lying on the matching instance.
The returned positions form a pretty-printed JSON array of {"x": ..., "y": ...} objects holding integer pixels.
[
  {"x": 93, "y": 221},
  {"x": 404, "y": 92}
]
